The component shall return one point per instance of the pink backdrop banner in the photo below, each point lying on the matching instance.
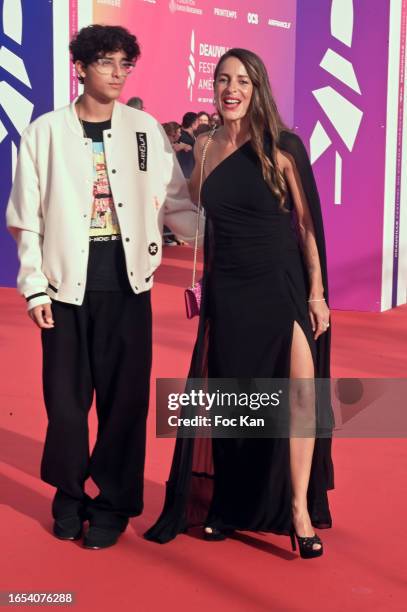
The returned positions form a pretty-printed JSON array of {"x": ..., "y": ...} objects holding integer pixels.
[
  {"x": 182, "y": 40},
  {"x": 328, "y": 66}
]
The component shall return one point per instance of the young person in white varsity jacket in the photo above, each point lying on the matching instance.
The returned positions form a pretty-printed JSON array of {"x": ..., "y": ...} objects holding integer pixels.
[{"x": 94, "y": 184}]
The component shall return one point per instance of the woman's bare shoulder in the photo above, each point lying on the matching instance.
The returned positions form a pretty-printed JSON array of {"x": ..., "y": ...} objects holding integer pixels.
[{"x": 284, "y": 160}]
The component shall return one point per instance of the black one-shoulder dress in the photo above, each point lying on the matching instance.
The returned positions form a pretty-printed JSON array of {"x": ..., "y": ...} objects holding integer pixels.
[{"x": 255, "y": 286}]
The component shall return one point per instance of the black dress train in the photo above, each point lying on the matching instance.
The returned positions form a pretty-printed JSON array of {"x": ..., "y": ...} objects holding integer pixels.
[{"x": 255, "y": 286}]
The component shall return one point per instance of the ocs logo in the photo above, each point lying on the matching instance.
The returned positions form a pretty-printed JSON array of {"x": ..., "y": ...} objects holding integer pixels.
[{"x": 253, "y": 18}]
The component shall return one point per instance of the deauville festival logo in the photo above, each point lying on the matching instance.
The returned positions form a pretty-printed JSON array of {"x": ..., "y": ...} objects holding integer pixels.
[
  {"x": 344, "y": 116},
  {"x": 14, "y": 103},
  {"x": 191, "y": 67}
]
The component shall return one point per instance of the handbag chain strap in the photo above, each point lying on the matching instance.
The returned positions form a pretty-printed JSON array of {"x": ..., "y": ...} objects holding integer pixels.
[{"x": 199, "y": 202}]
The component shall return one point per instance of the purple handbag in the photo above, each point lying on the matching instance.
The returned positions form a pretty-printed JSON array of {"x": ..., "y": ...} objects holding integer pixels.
[
  {"x": 193, "y": 294},
  {"x": 193, "y": 297}
]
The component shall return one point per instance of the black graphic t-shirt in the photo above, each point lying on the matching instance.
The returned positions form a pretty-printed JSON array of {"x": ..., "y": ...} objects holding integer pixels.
[{"x": 106, "y": 265}]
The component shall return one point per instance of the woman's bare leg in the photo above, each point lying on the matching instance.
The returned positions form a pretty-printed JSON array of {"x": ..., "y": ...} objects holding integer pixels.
[{"x": 302, "y": 411}]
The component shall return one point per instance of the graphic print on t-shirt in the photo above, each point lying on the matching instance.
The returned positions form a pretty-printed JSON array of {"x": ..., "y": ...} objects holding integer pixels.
[{"x": 104, "y": 222}]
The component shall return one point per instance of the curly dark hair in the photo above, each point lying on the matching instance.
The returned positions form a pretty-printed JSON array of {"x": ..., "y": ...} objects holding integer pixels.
[{"x": 95, "y": 40}]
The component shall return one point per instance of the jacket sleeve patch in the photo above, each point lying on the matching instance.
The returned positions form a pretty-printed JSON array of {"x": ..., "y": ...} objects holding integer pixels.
[{"x": 153, "y": 248}]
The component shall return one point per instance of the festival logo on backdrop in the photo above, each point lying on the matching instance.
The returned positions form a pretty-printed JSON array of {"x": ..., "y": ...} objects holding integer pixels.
[
  {"x": 15, "y": 101},
  {"x": 191, "y": 67},
  {"x": 201, "y": 72},
  {"x": 344, "y": 116},
  {"x": 26, "y": 91}
]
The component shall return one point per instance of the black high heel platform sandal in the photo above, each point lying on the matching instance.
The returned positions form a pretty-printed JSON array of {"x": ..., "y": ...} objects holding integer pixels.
[
  {"x": 216, "y": 535},
  {"x": 306, "y": 545}
]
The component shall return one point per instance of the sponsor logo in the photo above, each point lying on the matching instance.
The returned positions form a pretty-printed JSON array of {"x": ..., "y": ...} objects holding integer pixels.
[
  {"x": 279, "y": 24},
  {"x": 184, "y": 6},
  {"x": 116, "y": 3},
  {"x": 219, "y": 12},
  {"x": 142, "y": 150},
  {"x": 253, "y": 18}
]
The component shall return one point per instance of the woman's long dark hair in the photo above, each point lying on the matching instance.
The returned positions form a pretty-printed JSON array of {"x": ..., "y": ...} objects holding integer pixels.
[{"x": 263, "y": 117}]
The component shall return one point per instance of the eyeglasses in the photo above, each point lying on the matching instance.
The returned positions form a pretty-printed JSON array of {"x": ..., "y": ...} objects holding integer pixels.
[{"x": 104, "y": 65}]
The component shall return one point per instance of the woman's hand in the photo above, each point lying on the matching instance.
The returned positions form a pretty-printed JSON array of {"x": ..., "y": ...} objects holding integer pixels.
[{"x": 319, "y": 315}]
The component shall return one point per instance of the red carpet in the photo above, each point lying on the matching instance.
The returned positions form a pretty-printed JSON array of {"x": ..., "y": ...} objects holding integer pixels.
[{"x": 364, "y": 562}]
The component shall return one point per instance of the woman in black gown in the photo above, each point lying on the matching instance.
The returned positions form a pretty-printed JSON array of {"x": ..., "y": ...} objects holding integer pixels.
[{"x": 264, "y": 314}]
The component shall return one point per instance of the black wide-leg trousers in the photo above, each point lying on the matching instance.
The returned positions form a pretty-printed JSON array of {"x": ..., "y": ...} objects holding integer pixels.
[{"x": 102, "y": 347}]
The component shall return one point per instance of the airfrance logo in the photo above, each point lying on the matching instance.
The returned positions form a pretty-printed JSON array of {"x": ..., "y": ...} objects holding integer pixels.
[
  {"x": 253, "y": 18},
  {"x": 142, "y": 150},
  {"x": 279, "y": 24}
]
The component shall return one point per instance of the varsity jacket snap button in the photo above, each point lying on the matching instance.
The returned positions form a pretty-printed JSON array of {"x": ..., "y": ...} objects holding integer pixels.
[
  {"x": 127, "y": 239},
  {"x": 113, "y": 171},
  {"x": 153, "y": 248}
]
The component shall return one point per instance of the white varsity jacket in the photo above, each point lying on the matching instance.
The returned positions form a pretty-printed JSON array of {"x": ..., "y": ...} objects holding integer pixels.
[{"x": 48, "y": 212}]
